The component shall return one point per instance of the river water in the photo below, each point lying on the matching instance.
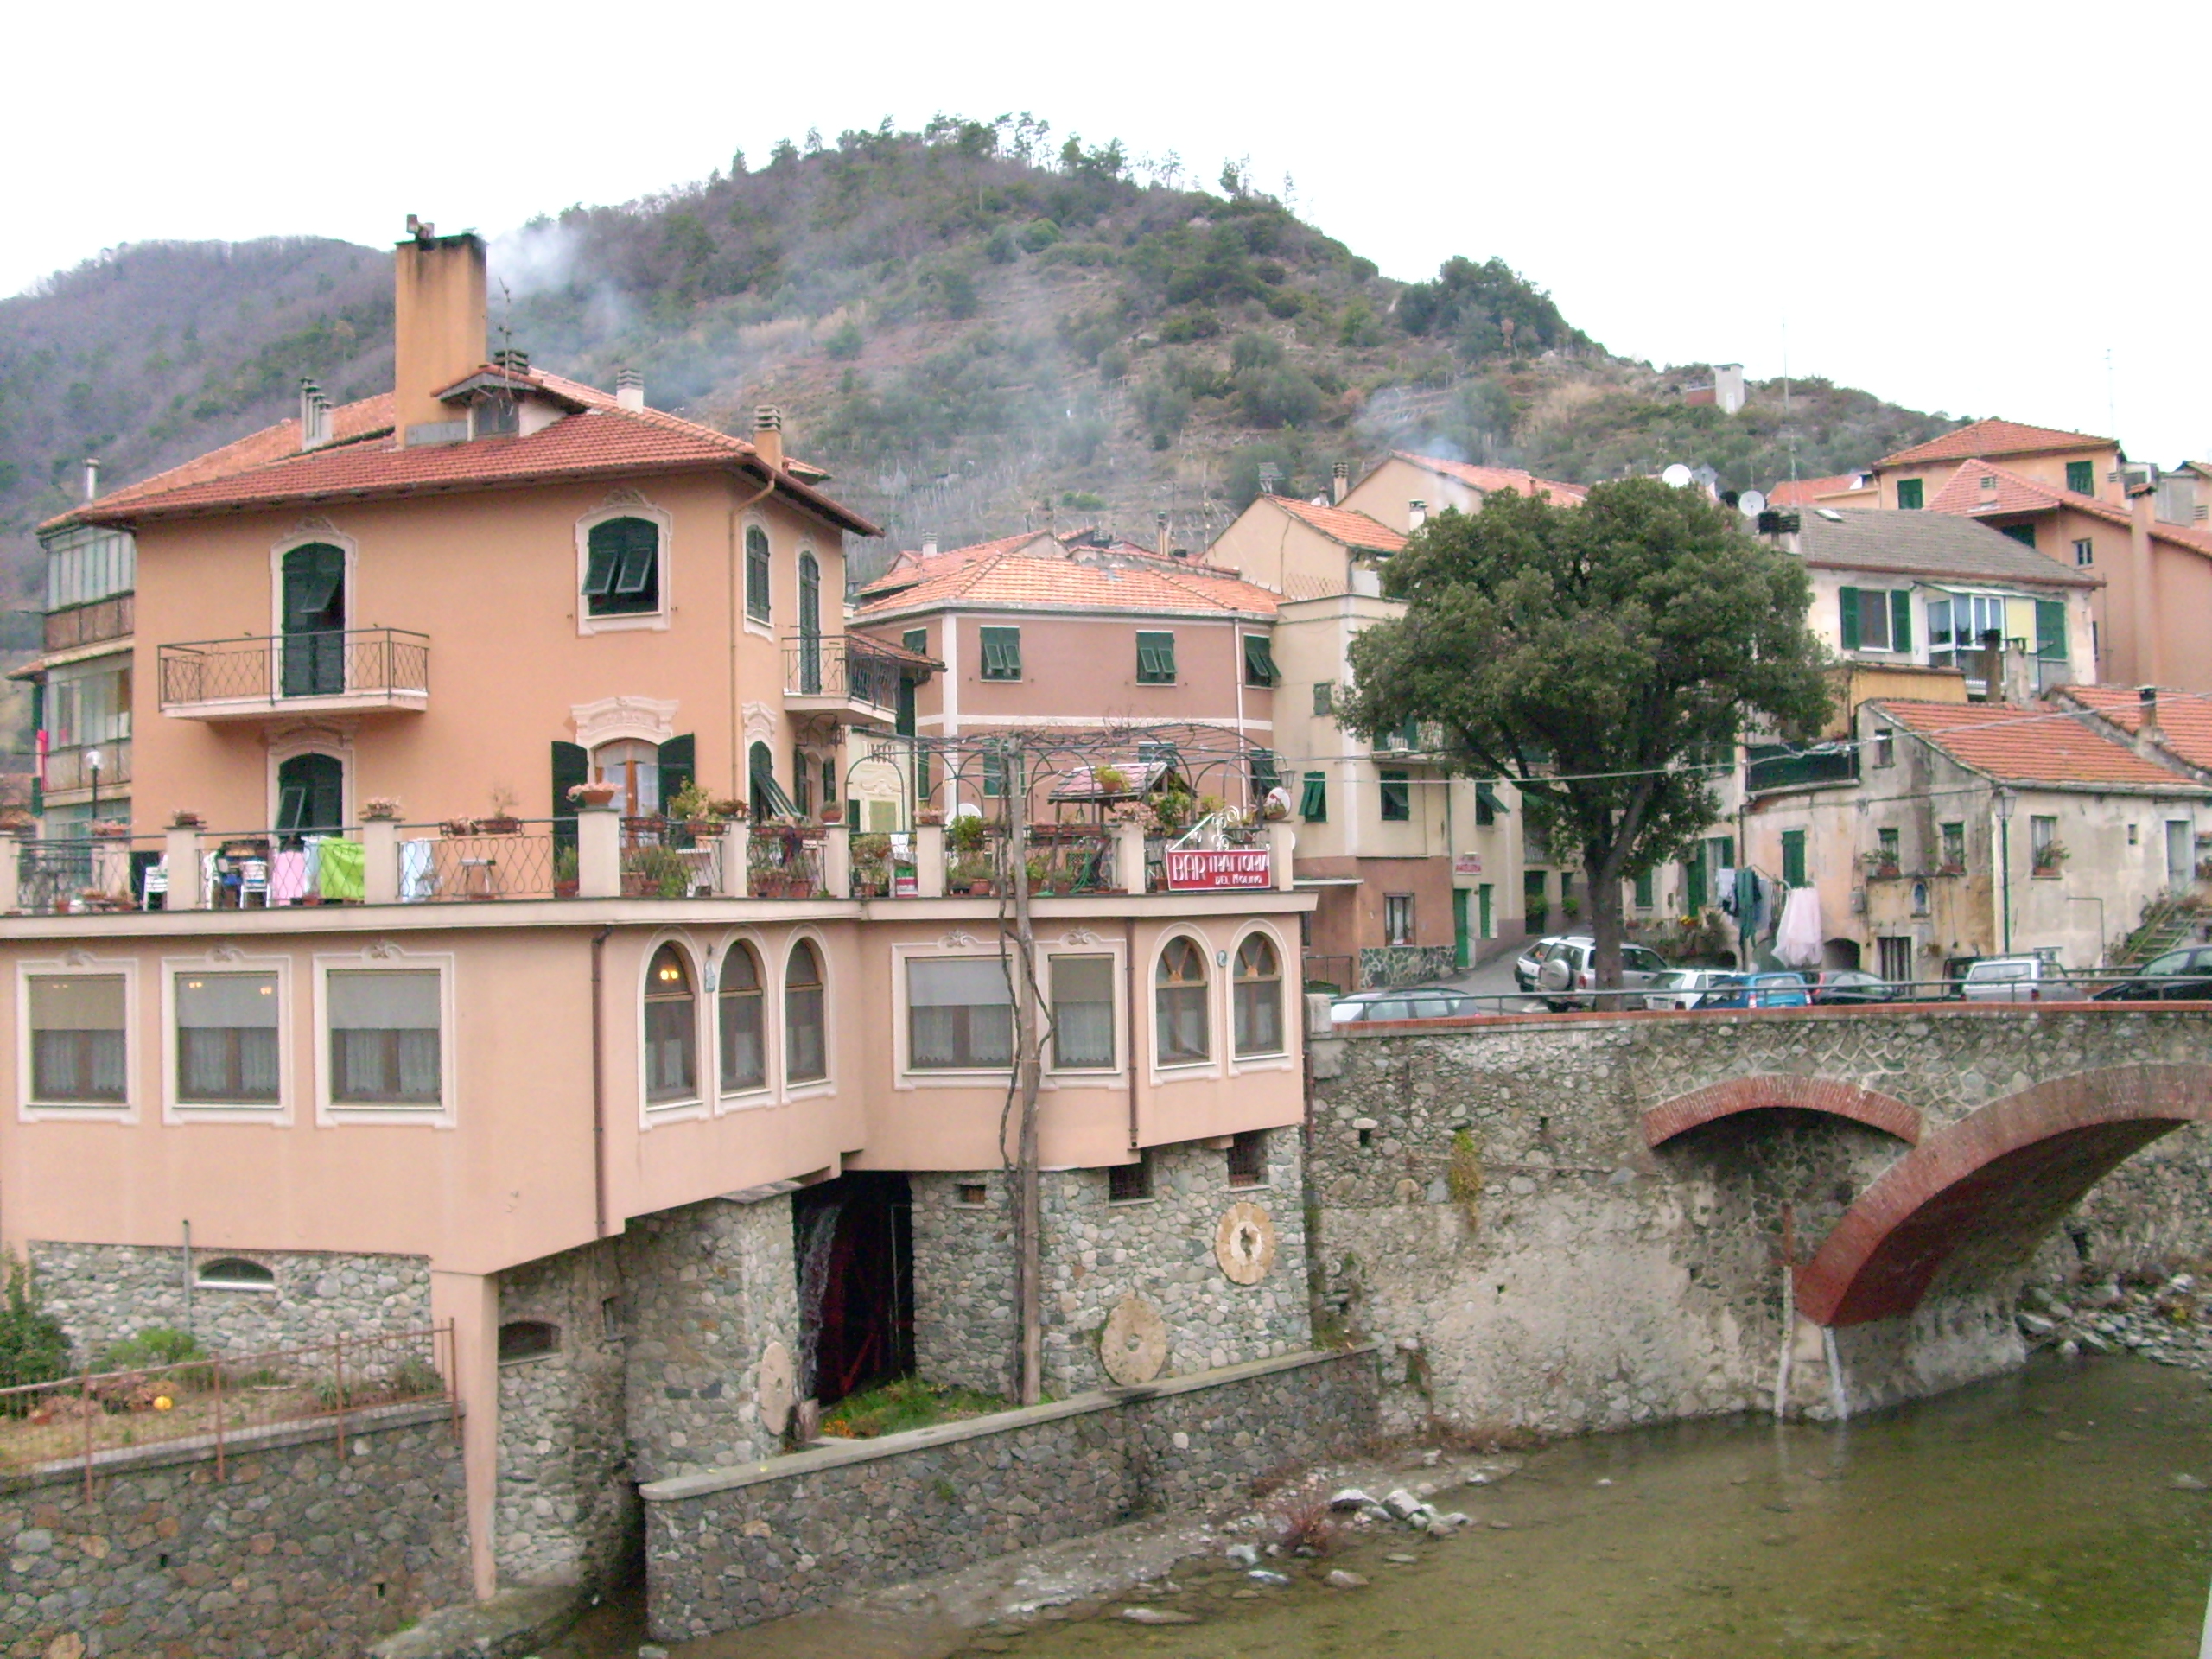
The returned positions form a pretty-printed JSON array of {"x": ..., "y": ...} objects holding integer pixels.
[{"x": 2048, "y": 1514}]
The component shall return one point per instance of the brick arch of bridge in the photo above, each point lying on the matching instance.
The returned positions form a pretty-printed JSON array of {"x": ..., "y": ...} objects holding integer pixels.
[
  {"x": 1764, "y": 1092},
  {"x": 1992, "y": 1185}
]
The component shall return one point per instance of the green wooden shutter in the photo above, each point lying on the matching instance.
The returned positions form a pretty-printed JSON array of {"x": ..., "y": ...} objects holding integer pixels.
[
  {"x": 1847, "y": 601},
  {"x": 1259, "y": 661},
  {"x": 1693, "y": 884},
  {"x": 1264, "y": 775},
  {"x": 1313, "y": 805},
  {"x": 1901, "y": 620},
  {"x": 1909, "y": 493},
  {"x": 679, "y": 765},
  {"x": 2024, "y": 534},
  {"x": 1793, "y": 857},
  {"x": 1644, "y": 890},
  {"x": 571, "y": 767},
  {"x": 2050, "y": 629}
]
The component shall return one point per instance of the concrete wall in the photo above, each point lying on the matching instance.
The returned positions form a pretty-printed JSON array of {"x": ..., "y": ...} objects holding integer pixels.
[{"x": 740, "y": 1546}]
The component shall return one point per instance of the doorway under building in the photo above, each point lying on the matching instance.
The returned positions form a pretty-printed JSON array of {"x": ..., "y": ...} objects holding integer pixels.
[{"x": 853, "y": 1239}]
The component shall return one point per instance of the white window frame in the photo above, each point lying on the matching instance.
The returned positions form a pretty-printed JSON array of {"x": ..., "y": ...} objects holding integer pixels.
[
  {"x": 1286, "y": 1057},
  {"x": 1084, "y": 943},
  {"x": 389, "y": 958},
  {"x": 910, "y": 1075},
  {"x": 701, "y": 1102},
  {"x": 30, "y": 1110},
  {"x": 771, "y": 1025},
  {"x": 1217, "y": 1034},
  {"x": 655, "y": 620},
  {"x": 223, "y": 960},
  {"x": 826, "y": 1084}
]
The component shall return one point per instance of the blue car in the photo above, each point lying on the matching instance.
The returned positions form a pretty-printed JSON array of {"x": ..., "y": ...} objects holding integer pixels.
[{"x": 1759, "y": 991}]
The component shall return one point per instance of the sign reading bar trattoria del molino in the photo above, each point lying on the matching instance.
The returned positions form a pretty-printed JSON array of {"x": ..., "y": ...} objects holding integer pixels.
[{"x": 1190, "y": 870}]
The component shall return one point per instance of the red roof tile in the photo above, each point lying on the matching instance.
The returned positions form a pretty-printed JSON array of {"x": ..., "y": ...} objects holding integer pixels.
[
  {"x": 1487, "y": 479},
  {"x": 1804, "y": 491},
  {"x": 1963, "y": 495},
  {"x": 993, "y": 576},
  {"x": 352, "y": 422},
  {"x": 1353, "y": 528},
  {"x": 1993, "y": 437},
  {"x": 2185, "y": 717},
  {"x": 2031, "y": 744}
]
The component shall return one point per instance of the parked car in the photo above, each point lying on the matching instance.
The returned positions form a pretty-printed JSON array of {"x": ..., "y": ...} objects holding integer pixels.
[
  {"x": 2014, "y": 979},
  {"x": 1530, "y": 959},
  {"x": 1850, "y": 985},
  {"x": 1567, "y": 968},
  {"x": 1771, "y": 990},
  {"x": 1404, "y": 1002},
  {"x": 1686, "y": 987},
  {"x": 2179, "y": 976}
]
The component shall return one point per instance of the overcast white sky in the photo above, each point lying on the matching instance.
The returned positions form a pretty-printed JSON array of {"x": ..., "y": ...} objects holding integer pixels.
[{"x": 1955, "y": 206}]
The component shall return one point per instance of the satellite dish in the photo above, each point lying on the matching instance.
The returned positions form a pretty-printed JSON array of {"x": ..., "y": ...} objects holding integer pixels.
[
  {"x": 1677, "y": 475},
  {"x": 1751, "y": 504}
]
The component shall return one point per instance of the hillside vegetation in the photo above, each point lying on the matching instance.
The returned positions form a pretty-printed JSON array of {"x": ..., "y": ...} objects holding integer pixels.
[{"x": 976, "y": 327}]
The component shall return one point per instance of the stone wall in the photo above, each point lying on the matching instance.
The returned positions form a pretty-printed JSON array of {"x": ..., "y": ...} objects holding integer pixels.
[
  {"x": 737, "y": 1547},
  {"x": 566, "y": 1512},
  {"x": 707, "y": 1288},
  {"x": 1381, "y": 965},
  {"x": 296, "y": 1553},
  {"x": 1097, "y": 1250},
  {"x": 103, "y": 1293}
]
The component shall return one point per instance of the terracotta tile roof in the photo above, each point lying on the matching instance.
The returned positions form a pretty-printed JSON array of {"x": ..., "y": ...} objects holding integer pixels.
[
  {"x": 1014, "y": 578},
  {"x": 1933, "y": 546},
  {"x": 1993, "y": 437},
  {"x": 1804, "y": 492},
  {"x": 1354, "y": 529},
  {"x": 911, "y": 566},
  {"x": 1962, "y": 495},
  {"x": 2034, "y": 745},
  {"x": 2185, "y": 717},
  {"x": 1487, "y": 479}
]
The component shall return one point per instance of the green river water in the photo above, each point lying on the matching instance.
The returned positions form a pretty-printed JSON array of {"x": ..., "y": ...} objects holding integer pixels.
[{"x": 2036, "y": 1515}]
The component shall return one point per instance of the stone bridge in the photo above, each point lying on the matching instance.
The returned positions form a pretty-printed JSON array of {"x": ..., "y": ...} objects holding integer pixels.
[{"x": 1571, "y": 1221}]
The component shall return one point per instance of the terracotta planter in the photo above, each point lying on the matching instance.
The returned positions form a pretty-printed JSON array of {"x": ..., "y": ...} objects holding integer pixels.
[
  {"x": 594, "y": 794},
  {"x": 565, "y": 889},
  {"x": 499, "y": 826}
]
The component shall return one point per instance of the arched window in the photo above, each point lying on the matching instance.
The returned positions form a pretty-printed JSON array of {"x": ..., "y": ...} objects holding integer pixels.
[
  {"x": 234, "y": 1273},
  {"x": 806, "y": 1050},
  {"x": 745, "y": 1060},
  {"x": 622, "y": 569},
  {"x": 310, "y": 796},
  {"x": 1181, "y": 1002},
  {"x": 633, "y": 766},
  {"x": 528, "y": 1339},
  {"x": 1256, "y": 997},
  {"x": 671, "y": 1029},
  {"x": 767, "y": 800},
  {"x": 756, "y": 573}
]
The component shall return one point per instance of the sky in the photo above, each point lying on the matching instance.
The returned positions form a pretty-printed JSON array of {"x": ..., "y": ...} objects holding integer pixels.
[{"x": 1978, "y": 210}]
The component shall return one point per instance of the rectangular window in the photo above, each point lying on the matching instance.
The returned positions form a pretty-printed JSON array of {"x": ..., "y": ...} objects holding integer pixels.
[
  {"x": 384, "y": 1037},
  {"x": 1259, "y": 662},
  {"x": 916, "y": 640},
  {"x": 77, "y": 1046},
  {"x": 1082, "y": 1014},
  {"x": 1248, "y": 1159},
  {"x": 1001, "y": 653},
  {"x": 2050, "y": 629},
  {"x": 226, "y": 1039},
  {"x": 960, "y": 1014},
  {"x": 1127, "y": 1183},
  {"x": 1864, "y": 618},
  {"x": 2082, "y": 477},
  {"x": 1894, "y": 958},
  {"x": 756, "y": 573},
  {"x": 1265, "y": 777},
  {"x": 1313, "y": 801},
  {"x": 1643, "y": 890},
  {"x": 2043, "y": 836},
  {"x": 1398, "y": 919},
  {"x": 1397, "y": 797},
  {"x": 1155, "y": 658},
  {"x": 2024, "y": 534},
  {"x": 1324, "y": 698},
  {"x": 621, "y": 574},
  {"x": 1909, "y": 493},
  {"x": 1885, "y": 745},
  {"x": 2085, "y": 551},
  {"x": 1488, "y": 808},
  {"x": 1887, "y": 854},
  {"x": 1793, "y": 858},
  {"x": 1954, "y": 847}
]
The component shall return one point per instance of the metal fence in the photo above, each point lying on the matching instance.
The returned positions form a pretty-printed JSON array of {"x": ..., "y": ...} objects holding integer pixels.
[
  {"x": 663, "y": 860},
  {"x": 845, "y": 666},
  {"x": 1773, "y": 991},
  {"x": 473, "y": 863},
  {"x": 783, "y": 862},
  {"x": 210, "y": 1402},
  {"x": 356, "y": 662}
]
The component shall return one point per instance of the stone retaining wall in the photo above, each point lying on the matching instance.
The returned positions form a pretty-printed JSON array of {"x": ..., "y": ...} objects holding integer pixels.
[
  {"x": 734, "y": 1547},
  {"x": 296, "y": 1553}
]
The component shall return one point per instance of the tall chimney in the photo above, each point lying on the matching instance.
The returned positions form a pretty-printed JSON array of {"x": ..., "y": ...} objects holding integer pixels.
[
  {"x": 91, "y": 477},
  {"x": 437, "y": 320},
  {"x": 2147, "y": 731},
  {"x": 1993, "y": 665},
  {"x": 629, "y": 389},
  {"x": 315, "y": 415},
  {"x": 1159, "y": 533},
  {"x": 1340, "y": 481},
  {"x": 768, "y": 435},
  {"x": 1416, "y": 515}
]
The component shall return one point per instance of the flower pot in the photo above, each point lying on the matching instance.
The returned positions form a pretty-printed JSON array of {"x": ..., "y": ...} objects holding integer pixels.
[
  {"x": 592, "y": 794},
  {"x": 565, "y": 889},
  {"x": 501, "y": 825}
]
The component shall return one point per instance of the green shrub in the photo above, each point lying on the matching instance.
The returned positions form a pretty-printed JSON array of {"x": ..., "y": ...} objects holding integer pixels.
[
  {"x": 33, "y": 1348},
  {"x": 156, "y": 1344},
  {"x": 1039, "y": 234}
]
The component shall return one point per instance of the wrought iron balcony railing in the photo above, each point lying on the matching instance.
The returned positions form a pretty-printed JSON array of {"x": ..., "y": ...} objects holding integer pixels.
[
  {"x": 840, "y": 668},
  {"x": 361, "y": 668}
]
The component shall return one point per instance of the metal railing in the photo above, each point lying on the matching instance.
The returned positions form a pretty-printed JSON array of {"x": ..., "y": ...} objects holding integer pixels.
[
  {"x": 457, "y": 862},
  {"x": 354, "y": 662},
  {"x": 840, "y": 665},
  {"x": 666, "y": 860},
  {"x": 211, "y": 1401},
  {"x": 1776, "y": 765},
  {"x": 784, "y": 861}
]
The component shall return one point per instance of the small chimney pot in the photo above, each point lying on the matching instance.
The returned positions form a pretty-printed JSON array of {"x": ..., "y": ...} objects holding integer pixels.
[
  {"x": 629, "y": 389},
  {"x": 768, "y": 435},
  {"x": 1339, "y": 482},
  {"x": 91, "y": 477}
]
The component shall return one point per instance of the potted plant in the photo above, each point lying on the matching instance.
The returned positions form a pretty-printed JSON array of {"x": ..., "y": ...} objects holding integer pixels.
[
  {"x": 378, "y": 809},
  {"x": 503, "y": 821},
  {"x": 184, "y": 819},
  {"x": 928, "y": 817},
  {"x": 1880, "y": 863},
  {"x": 2050, "y": 857},
  {"x": 693, "y": 808},
  {"x": 458, "y": 827},
  {"x": 594, "y": 795},
  {"x": 1110, "y": 780},
  {"x": 565, "y": 880}
]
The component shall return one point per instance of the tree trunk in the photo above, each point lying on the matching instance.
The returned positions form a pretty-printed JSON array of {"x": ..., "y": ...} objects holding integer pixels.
[
  {"x": 1601, "y": 871},
  {"x": 1028, "y": 1219}
]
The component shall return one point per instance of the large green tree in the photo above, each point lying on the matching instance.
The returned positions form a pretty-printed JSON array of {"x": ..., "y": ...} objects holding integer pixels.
[{"x": 1604, "y": 657}]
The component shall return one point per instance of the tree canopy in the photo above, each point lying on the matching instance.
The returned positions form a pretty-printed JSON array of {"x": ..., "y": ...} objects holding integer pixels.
[{"x": 1604, "y": 657}]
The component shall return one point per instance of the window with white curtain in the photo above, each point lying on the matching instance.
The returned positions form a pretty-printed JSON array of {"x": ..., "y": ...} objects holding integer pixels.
[
  {"x": 671, "y": 1029},
  {"x": 78, "y": 1043},
  {"x": 226, "y": 1039},
  {"x": 1257, "y": 1000},
  {"x": 1181, "y": 1003},
  {"x": 806, "y": 1034},
  {"x": 1083, "y": 1012},
  {"x": 744, "y": 1054},
  {"x": 385, "y": 1037},
  {"x": 959, "y": 1013}
]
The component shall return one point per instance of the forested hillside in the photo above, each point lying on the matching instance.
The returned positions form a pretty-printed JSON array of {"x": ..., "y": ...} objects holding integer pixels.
[{"x": 974, "y": 327}]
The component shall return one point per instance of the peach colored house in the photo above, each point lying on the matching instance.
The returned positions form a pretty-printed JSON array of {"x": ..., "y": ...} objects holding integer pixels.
[
  {"x": 1838, "y": 490},
  {"x": 1404, "y": 489},
  {"x": 384, "y": 1028},
  {"x": 2072, "y": 461}
]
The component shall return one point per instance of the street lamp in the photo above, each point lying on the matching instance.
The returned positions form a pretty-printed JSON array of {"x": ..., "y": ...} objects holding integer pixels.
[
  {"x": 2006, "y": 800},
  {"x": 93, "y": 761}
]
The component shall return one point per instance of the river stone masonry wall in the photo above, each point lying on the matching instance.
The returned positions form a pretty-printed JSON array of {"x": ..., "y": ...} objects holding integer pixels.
[
  {"x": 105, "y": 1292},
  {"x": 296, "y": 1553},
  {"x": 742, "y": 1546},
  {"x": 1095, "y": 1252}
]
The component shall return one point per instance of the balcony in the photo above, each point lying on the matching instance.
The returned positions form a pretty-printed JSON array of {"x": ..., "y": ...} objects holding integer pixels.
[
  {"x": 360, "y": 670},
  {"x": 849, "y": 678},
  {"x": 1773, "y": 766},
  {"x": 87, "y": 625},
  {"x": 67, "y": 770}
]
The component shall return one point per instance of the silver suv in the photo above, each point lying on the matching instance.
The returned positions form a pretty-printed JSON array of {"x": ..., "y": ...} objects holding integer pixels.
[{"x": 1566, "y": 968}]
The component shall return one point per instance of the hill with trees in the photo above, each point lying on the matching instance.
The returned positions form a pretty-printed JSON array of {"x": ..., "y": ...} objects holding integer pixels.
[{"x": 976, "y": 327}]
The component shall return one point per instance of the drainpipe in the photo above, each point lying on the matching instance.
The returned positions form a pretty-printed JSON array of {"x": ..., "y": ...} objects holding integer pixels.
[
  {"x": 598, "y": 1085},
  {"x": 736, "y": 732}
]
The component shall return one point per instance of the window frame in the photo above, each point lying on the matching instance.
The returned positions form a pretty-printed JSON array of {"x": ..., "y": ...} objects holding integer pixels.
[
  {"x": 658, "y": 618},
  {"x": 1111, "y": 955},
  {"x": 2085, "y": 551},
  {"x": 388, "y": 958},
  {"x": 622, "y": 584},
  {"x": 760, "y": 618},
  {"x": 994, "y": 664},
  {"x": 695, "y": 1103},
  {"x": 794, "y": 1088},
  {"x": 970, "y": 1067},
  {"x": 1203, "y": 1065},
  {"x": 1395, "y": 787},
  {"x": 1391, "y": 905},
  {"x": 764, "y": 1092},
  {"x": 1155, "y": 660},
  {"x": 2086, "y": 471},
  {"x": 1247, "y": 1142},
  {"x": 78, "y": 965},
  {"x": 234, "y": 1286},
  {"x": 1912, "y": 495},
  {"x": 1946, "y": 837},
  {"x": 1241, "y": 1058},
  {"x": 1264, "y": 674},
  {"x": 222, "y": 960}
]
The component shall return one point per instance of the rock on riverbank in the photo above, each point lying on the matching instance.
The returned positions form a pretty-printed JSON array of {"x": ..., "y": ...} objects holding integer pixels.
[{"x": 2170, "y": 1321}]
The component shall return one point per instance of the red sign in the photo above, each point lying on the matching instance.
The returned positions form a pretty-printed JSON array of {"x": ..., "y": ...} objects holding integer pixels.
[{"x": 1188, "y": 870}]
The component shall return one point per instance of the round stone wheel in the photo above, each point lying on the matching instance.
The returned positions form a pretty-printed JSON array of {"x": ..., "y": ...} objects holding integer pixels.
[
  {"x": 1244, "y": 1243},
  {"x": 776, "y": 1386},
  {"x": 1134, "y": 1345}
]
